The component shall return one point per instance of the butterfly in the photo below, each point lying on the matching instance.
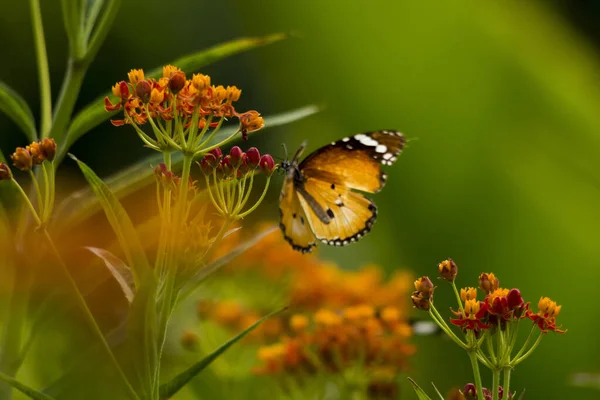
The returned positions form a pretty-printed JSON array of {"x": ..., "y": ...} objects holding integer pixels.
[{"x": 318, "y": 201}]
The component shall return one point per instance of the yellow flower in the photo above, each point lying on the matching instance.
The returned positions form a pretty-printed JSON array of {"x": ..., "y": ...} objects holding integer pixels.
[
  {"x": 168, "y": 70},
  {"x": 135, "y": 75},
  {"x": 200, "y": 82},
  {"x": 326, "y": 317},
  {"x": 298, "y": 322},
  {"x": 468, "y": 293}
]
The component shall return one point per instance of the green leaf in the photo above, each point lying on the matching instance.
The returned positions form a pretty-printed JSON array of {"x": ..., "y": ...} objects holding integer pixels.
[
  {"x": 437, "y": 391},
  {"x": 13, "y": 105},
  {"x": 71, "y": 11},
  {"x": 121, "y": 224},
  {"x": 81, "y": 204},
  {"x": 32, "y": 393},
  {"x": 420, "y": 392},
  {"x": 207, "y": 270},
  {"x": 170, "y": 388},
  {"x": 94, "y": 114},
  {"x": 119, "y": 270}
]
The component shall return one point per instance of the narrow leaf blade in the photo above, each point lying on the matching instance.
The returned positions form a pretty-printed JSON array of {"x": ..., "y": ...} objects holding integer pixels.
[
  {"x": 81, "y": 204},
  {"x": 94, "y": 114},
  {"x": 15, "y": 107},
  {"x": 420, "y": 392},
  {"x": 170, "y": 388},
  {"x": 209, "y": 269},
  {"x": 121, "y": 224},
  {"x": 32, "y": 393},
  {"x": 119, "y": 270}
]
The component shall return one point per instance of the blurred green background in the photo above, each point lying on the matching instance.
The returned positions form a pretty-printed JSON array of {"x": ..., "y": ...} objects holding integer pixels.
[{"x": 500, "y": 102}]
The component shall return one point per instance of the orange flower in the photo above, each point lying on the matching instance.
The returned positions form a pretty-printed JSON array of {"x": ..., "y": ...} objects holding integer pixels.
[{"x": 545, "y": 318}]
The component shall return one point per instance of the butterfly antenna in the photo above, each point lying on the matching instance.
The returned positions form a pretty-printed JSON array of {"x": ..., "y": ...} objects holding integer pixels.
[{"x": 285, "y": 151}]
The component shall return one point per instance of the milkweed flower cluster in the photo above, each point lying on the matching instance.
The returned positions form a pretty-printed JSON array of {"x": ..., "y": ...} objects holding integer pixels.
[
  {"x": 230, "y": 178},
  {"x": 344, "y": 324},
  {"x": 180, "y": 111},
  {"x": 39, "y": 153},
  {"x": 490, "y": 325}
]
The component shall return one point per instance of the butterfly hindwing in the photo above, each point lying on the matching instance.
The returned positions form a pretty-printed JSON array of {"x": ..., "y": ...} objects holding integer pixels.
[
  {"x": 350, "y": 215},
  {"x": 355, "y": 162},
  {"x": 293, "y": 220}
]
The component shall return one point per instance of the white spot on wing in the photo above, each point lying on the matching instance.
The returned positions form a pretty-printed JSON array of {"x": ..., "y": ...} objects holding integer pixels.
[{"x": 381, "y": 148}]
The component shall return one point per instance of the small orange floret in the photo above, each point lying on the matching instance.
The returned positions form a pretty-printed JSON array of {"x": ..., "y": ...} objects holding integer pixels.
[
  {"x": 468, "y": 293},
  {"x": 135, "y": 76},
  {"x": 168, "y": 70}
]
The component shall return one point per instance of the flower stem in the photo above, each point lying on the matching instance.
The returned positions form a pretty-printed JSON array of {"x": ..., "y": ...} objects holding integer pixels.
[
  {"x": 262, "y": 196},
  {"x": 43, "y": 72},
  {"x": 495, "y": 383},
  {"x": 506, "y": 385},
  {"x": 458, "y": 300},
  {"x": 476, "y": 373}
]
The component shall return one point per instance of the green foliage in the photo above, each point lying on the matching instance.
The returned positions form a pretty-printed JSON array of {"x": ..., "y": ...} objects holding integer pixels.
[
  {"x": 172, "y": 387},
  {"x": 15, "y": 107},
  {"x": 31, "y": 393}
]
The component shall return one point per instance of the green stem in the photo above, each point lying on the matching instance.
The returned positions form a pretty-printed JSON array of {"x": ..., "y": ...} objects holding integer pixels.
[
  {"x": 495, "y": 383},
  {"x": 526, "y": 344},
  {"x": 47, "y": 191},
  {"x": 38, "y": 193},
  {"x": 248, "y": 191},
  {"x": 506, "y": 385},
  {"x": 442, "y": 324},
  {"x": 212, "y": 199},
  {"x": 458, "y": 300},
  {"x": 66, "y": 102},
  {"x": 262, "y": 196},
  {"x": 524, "y": 356},
  {"x": 476, "y": 373},
  {"x": 34, "y": 213},
  {"x": 43, "y": 71},
  {"x": 89, "y": 316}
]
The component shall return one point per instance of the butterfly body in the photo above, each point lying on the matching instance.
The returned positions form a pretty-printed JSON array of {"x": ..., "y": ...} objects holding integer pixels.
[{"x": 318, "y": 201}]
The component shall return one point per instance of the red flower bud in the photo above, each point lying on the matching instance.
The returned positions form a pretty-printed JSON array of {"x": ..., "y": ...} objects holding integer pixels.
[
  {"x": 488, "y": 282},
  {"x": 208, "y": 164},
  {"x": 236, "y": 155},
  {"x": 227, "y": 167},
  {"x": 217, "y": 153},
  {"x": 124, "y": 90},
  {"x": 176, "y": 81},
  {"x": 514, "y": 299},
  {"x": 267, "y": 164},
  {"x": 419, "y": 301},
  {"x": 470, "y": 391},
  {"x": 448, "y": 270},
  {"x": 253, "y": 157},
  {"x": 424, "y": 286},
  {"x": 143, "y": 90}
]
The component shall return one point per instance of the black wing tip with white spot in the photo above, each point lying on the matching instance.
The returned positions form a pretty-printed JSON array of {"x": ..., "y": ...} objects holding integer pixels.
[
  {"x": 359, "y": 235},
  {"x": 384, "y": 151}
]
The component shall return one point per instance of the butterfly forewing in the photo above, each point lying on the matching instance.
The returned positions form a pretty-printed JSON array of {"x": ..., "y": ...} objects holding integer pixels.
[
  {"x": 355, "y": 162},
  {"x": 351, "y": 215}
]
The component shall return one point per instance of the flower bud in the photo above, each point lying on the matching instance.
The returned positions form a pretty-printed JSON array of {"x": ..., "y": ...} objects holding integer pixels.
[
  {"x": 22, "y": 159},
  {"x": 143, "y": 89},
  {"x": 37, "y": 156},
  {"x": 227, "y": 167},
  {"x": 469, "y": 293},
  {"x": 488, "y": 282},
  {"x": 267, "y": 165},
  {"x": 448, "y": 270},
  {"x": 236, "y": 155},
  {"x": 208, "y": 164},
  {"x": 176, "y": 81},
  {"x": 424, "y": 286},
  {"x": 470, "y": 391},
  {"x": 123, "y": 90},
  {"x": 419, "y": 301},
  {"x": 217, "y": 153},
  {"x": 253, "y": 157},
  {"x": 5, "y": 172},
  {"x": 233, "y": 93},
  {"x": 514, "y": 299},
  {"x": 48, "y": 147}
]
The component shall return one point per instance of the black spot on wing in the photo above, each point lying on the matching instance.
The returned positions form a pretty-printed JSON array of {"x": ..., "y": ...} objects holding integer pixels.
[
  {"x": 330, "y": 213},
  {"x": 357, "y": 236}
]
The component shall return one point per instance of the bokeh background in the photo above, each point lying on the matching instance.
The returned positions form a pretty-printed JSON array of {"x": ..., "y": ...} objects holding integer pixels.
[{"x": 500, "y": 102}]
